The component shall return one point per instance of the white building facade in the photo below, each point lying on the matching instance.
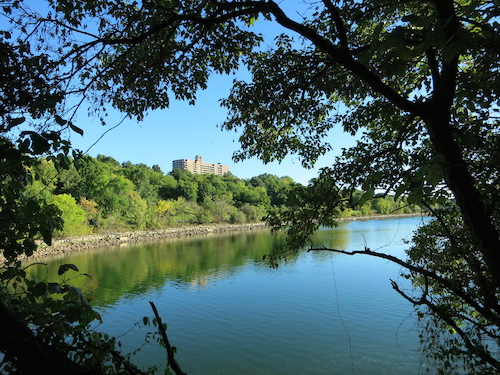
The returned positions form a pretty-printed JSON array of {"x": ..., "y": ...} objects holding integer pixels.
[{"x": 200, "y": 167}]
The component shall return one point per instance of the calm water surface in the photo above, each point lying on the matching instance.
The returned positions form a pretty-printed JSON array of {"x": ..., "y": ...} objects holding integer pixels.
[{"x": 229, "y": 313}]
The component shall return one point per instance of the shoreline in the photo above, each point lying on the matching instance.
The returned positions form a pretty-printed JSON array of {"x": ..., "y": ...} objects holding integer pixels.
[{"x": 95, "y": 241}]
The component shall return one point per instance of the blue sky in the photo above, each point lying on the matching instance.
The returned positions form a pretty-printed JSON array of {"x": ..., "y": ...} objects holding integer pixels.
[{"x": 183, "y": 131}]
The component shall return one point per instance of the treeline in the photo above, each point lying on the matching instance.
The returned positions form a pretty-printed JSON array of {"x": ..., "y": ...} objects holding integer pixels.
[{"x": 100, "y": 194}]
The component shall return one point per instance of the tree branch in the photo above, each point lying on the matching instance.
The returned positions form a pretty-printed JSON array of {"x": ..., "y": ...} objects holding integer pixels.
[
  {"x": 340, "y": 56},
  {"x": 339, "y": 24},
  {"x": 422, "y": 300},
  {"x": 445, "y": 92},
  {"x": 433, "y": 66},
  {"x": 172, "y": 362},
  {"x": 459, "y": 292}
]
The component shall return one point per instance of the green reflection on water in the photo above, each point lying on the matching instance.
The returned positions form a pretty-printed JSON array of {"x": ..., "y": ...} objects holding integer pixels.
[
  {"x": 189, "y": 262},
  {"x": 229, "y": 312}
]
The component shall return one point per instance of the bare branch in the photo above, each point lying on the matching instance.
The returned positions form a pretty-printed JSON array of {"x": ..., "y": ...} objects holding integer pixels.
[
  {"x": 170, "y": 351},
  {"x": 422, "y": 300},
  {"x": 452, "y": 287}
]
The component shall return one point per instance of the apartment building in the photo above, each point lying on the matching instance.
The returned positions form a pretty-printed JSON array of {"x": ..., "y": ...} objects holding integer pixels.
[{"x": 199, "y": 166}]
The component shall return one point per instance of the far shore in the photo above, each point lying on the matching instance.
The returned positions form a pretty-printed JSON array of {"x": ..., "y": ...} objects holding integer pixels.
[{"x": 94, "y": 241}]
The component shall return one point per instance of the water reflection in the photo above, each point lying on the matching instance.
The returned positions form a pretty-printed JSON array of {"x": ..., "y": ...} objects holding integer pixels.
[
  {"x": 229, "y": 313},
  {"x": 187, "y": 262}
]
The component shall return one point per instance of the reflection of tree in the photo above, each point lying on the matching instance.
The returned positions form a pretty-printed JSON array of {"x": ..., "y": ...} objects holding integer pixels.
[
  {"x": 194, "y": 262},
  {"x": 200, "y": 282},
  {"x": 337, "y": 238}
]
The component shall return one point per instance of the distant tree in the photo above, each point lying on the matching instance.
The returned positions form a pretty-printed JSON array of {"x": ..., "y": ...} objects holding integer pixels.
[
  {"x": 256, "y": 196},
  {"x": 108, "y": 160},
  {"x": 147, "y": 182},
  {"x": 46, "y": 172},
  {"x": 165, "y": 211},
  {"x": 91, "y": 209},
  {"x": 185, "y": 211},
  {"x": 277, "y": 188},
  {"x": 237, "y": 217},
  {"x": 253, "y": 213},
  {"x": 67, "y": 179},
  {"x": 222, "y": 209},
  {"x": 188, "y": 188},
  {"x": 168, "y": 188},
  {"x": 383, "y": 206}
]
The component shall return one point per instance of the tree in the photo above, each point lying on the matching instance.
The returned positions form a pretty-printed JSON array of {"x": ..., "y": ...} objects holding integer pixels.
[
  {"x": 34, "y": 332},
  {"x": 73, "y": 215},
  {"x": 185, "y": 210},
  {"x": 157, "y": 168},
  {"x": 277, "y": 188},
  {"x": 166, "y": 210},
  {"x": 146, "y": 180},
  {"x": 45, "y": 326},
  {"x": 418, "y": 78}
]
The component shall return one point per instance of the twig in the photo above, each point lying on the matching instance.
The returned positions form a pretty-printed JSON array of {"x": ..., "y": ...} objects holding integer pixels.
[
  {"x": 457, "y": 290},
  {"x": 172, "y": 362}
]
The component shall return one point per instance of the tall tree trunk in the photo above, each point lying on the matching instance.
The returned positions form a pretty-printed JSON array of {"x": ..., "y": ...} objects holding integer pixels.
[{"x": 467, "y": 196}]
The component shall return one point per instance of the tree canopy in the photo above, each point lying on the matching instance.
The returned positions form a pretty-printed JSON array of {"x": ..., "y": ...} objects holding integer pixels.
[
  {"x": 96, "y": 195},
  {"x": 419, "y": 80}
]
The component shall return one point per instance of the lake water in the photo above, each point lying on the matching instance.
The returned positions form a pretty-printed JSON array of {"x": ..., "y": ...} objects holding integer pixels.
[{"x": 229, "y": 313}]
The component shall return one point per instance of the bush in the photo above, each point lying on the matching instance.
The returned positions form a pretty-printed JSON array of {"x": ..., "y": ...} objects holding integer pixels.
[{"x": 73, "y": 215}]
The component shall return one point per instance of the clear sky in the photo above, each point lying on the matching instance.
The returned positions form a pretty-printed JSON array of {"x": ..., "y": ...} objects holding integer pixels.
[{"x": 183, "y": 131}]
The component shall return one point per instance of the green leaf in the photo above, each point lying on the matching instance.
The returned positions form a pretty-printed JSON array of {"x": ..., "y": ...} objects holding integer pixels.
[
  {"x": 80, "y": 295},
  {"x": 39, "y": 289},
  {"x": 39, "y": 144},
  {"x": 434, "y": 174},
  {"x": 410, "y": 18},
  {"x": 60, "y": 120},
  {"x": 73, "y": 267},
  {"x": 400, "y": 190},
  {"x": 47, "y": 236},
  {"x": 76, "y": 129},
  {"x": 54, "y": 288},
  {"x": 415, "y": 197},
  {"x": 376, "y": 177},
  {"x": 250, "y": 21},
  {"x": 16, "y": 121},
  {"x": 366, "y": 185},
  {"x": 366, "y": 196},
  {"x": 29, "y": 246},
  {"x": 66, "y": 267},
  {"x": 62, "y": 269}
]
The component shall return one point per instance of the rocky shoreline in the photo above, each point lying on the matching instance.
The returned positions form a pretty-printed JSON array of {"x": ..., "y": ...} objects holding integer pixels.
[
  {"x": 81, "y": 243},
  {"x": 95, "y": 241}
]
